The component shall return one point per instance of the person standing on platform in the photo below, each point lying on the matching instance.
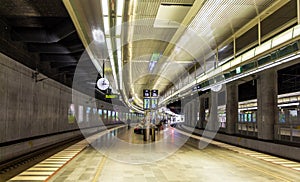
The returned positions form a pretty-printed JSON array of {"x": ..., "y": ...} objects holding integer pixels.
[{"x": 128, "y": 123}]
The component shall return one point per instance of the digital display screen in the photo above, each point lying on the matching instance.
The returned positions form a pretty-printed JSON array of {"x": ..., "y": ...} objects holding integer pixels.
[
  {"x": 147, "y": 103},
  {"x": 153, "y": 103}
]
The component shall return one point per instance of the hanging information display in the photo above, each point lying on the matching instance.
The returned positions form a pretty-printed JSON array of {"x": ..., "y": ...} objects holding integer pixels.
[
  {"x": 147, "y": 103},
  {"x": 153, "y": 103},
  {"x": 154, "y": 93},
  {"x": 150, "y": 100},
  {"x": 146, "y": 93}
]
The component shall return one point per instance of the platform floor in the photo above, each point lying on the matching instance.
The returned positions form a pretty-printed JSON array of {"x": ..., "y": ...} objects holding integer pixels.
[{"x": 212, "y": 163}]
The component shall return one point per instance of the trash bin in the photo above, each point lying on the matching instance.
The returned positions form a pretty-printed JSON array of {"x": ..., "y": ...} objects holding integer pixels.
[
  {"x": 145, "y": 134},
  {"x": 153, "y": 133}
]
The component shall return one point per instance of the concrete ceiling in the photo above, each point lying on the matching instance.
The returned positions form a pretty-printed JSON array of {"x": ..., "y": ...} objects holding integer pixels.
[{"x": 46, "y": 39}]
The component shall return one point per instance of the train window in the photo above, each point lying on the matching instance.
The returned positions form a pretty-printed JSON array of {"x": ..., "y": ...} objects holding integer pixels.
[
  {"x": 206, "y": 114},
  {"x": 121, "y": 116},
  {"x": 80, "y": 113},
  {"x": 94, "y": 111},
  {"x": 104, "y": 114},
  {"x": 293, "y": 116},
  {"x": 117, "y": 116},
  {"x": 109, "y": 115},
  {"x": 71, "y": 113},
  {"x": 113, "y": 115},
  {"x": 249, "y": 117},
  {"x": 254, "y": 117},
  {"x": 99, "y": 115},
  {"x": 242, "y": 117},
  {"x": 88, "y": 114}
]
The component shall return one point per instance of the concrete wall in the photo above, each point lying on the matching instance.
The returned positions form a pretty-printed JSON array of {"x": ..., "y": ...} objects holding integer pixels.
[
  {"x": 29, "y": 108},
  {"x": 35, "y": 109}
]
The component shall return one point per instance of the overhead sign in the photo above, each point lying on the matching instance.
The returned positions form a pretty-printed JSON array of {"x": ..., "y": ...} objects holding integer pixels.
[
  {"x": 111, "y": 96},
  {"x": 154, "y": 93},
  {"x": 150, "y": 99},
  {"x": 146, "y": 93}
]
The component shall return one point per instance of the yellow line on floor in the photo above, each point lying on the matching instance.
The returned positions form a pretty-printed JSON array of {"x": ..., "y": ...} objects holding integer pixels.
[
  {"x": 256, "y": 168},
  {"x": 99, "y": 169},
  {"x": 42, "y": 169},
  {"x": 42, "y": 173},
  {"x": 29, "y": 178}
]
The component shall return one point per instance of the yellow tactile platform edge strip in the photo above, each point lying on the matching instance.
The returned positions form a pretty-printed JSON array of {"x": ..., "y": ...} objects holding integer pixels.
[
  {"x": 269, "y": 158},
  {"x": 50, "y": 166}
]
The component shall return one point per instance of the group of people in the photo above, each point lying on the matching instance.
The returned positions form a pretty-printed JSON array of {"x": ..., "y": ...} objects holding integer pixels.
[{"x": 159, "y": 124}]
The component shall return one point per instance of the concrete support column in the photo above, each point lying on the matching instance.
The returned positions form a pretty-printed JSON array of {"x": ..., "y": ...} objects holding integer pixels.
[
  {"x": 187, "y": 107},
  {"x": 192, "y": 113},
  {"x": 197, "y": 118},
  {"x": 298, "y": 11},
  {"x": 188, "y": 114},
  {"x": 231, "y": 107},
  {"x": 298, "y": 116},
  {"x": 185, "y": 114},
  {"x": 267, "y": 104},
  {"x": 195, "y": 112},
  {"x": 201, "y": 112},
  {"x": 213, "y": 109},
  {"x": 287, "y": 116}
]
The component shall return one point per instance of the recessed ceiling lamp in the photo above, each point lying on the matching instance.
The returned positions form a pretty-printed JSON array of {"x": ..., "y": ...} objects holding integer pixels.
[{"x": 98, "y": 35}]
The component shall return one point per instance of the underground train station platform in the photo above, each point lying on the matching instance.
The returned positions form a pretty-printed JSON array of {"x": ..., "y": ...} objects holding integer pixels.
[
  {"x": 88, "y": 162},
  {"x": 209, "y": 88}
]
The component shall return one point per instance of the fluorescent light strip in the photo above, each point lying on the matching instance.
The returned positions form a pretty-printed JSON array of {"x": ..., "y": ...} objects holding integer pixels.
[
  {"x": 106, "y": 25},
  {"x": 283, "y": 37},
  {"x": 210, "y": 73},
  {"x": 119, "y": 26},
  {"x": 118, "y": 42},
  {"x": 108, "y": 43},
  {"x": 273, "y": 64},
  {"x": 249, "y": 108},
  {"x": 120, "y": 73},
  {"x": 289, "y": 104},
  {"x": 114, "y": 73},
  {"x": 105, "y": 7},
  {"x": 120, "y": 5},
  {"x": 280, "y": 105}
]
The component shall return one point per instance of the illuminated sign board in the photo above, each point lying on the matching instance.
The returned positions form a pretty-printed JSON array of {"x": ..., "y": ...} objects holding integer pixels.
[
  {"x": 154, "y": 93},
  {"x": 111, "y": 96},
  {"x": 147, "y": 103},
  {"x": 238, "y": 70},
  {"x": 146, "y": 93},
  {"x": 154, "y": 103}
]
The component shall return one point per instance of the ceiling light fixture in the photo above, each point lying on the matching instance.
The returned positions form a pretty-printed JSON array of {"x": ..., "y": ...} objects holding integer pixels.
[
  {"x": 105, "y": 7},
  {"x": 120, "y": 5},
  {"x": 98, "y": 35},
  {"x": 106, "y": 25}
]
